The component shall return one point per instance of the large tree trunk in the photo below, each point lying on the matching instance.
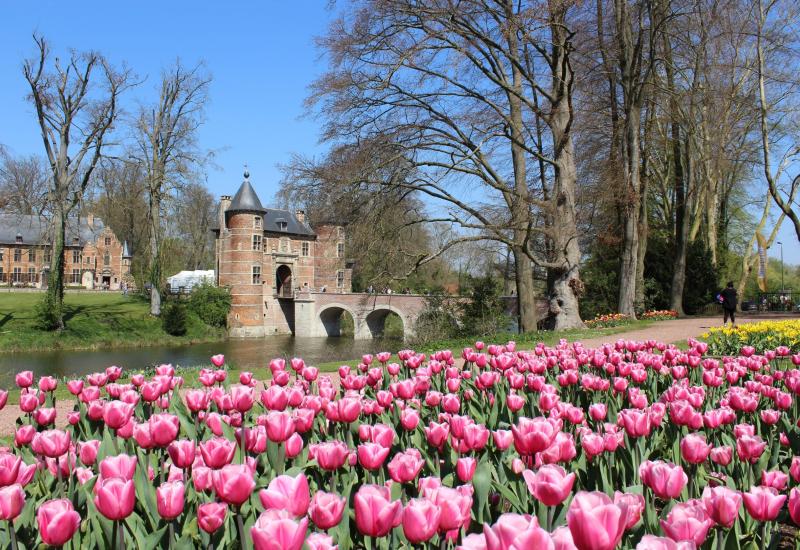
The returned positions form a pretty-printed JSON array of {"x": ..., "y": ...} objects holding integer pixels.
[
  {"x": 681, "y": 220},
  {"x": 155, "y": 255},
  {"x": 565, "y": 285},
  {"x": 55, "y": 283},
  {"x": 525, "y": 291},
  {"x": 630, "y": 232}
]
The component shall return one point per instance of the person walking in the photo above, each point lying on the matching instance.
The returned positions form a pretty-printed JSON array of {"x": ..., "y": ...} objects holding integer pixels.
[{"x": 729, "y": 303}]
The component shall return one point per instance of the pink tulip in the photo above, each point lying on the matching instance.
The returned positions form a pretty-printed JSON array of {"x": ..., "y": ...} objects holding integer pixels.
[
  {"x": 635, "y": 505},
  {"x": 420, "y": 520},
  {"x": 196, "y": 400},
  {"x": 516, "y": 532},
  {"x": 182, "y": 452},
  {"x": 652, "y": 542},
  {"x": 121, "y": 466},
  {"x": 749, "y": 448},
  {"x": 455, "y": 505},
  {"x": 287, "y": 493},
  {"x": 114, "y": 497},
  {"x": 551, "y": 485},
  {"x": 465, "y": 468},
  {"x": 234, "y": 483},
  {"x": 794, "y": 505},
  {"x": 688, "y": 521},
  {"x": 57, "y": 521},
  {"x": 217, "y": 452},
  {"x": 722, "y": 505},
  {"x": 116, "y": 414},
  {"x": 596, "y": 523},
  {"x": 218, "y": 360},
  {"x": 405, "y": 466},
  {"x": 694, "y": 448},
  {"x": 211, "y": 516},
  {"x": 24, "y": 435},
  {"x": 164, "y": 428},
  {"x": 320, "y": 541},
  {"x": 24, "y": 379},
  {"x": 376, "y": 513},
  {"x": 293, "y": 445},
  {"x": 763, "y": 503},
  {"x": 330, "y": 455},
  {"x": 371, "y": 456},
  {"x": 666, "y": 480},
  {"x": 170, "y": 499},
  {"x": 722, "y": 455},
  {"x": 278, "y": 530},
  {"x": 532, "y": 435},
  {"x": 774, "y": 478},
  {"x": 279, "y": 425},
  {"x": 51, "y": 443},
  {"x": 87, "y": 451},
  {"x": 12, "y": 500},
  {"x": 326, "y": 509}
]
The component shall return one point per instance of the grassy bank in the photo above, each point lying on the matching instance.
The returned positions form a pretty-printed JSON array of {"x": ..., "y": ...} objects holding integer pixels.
[{"x": 96, "y": 320}]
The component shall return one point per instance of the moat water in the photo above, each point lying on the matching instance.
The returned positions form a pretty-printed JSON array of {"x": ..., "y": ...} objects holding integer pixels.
[{"x": 242, "y": 353}]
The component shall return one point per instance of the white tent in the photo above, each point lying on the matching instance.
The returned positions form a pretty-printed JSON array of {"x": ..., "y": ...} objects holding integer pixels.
[{"x": 185, "y": 280}]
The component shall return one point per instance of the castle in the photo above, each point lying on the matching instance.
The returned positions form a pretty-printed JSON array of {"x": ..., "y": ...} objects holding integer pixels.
[
  {"x": 93, "y": 256},
  {"x": 267, "y": 257}
]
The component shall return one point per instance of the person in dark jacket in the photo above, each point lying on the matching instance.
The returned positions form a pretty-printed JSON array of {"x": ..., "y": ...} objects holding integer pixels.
[{"x": 729, "y": 303}]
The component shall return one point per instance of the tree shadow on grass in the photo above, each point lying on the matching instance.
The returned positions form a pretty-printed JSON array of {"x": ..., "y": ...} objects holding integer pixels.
[{"x": 5, "y": 319}]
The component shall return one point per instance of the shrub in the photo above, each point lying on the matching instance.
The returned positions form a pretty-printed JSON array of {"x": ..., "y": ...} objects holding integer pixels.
[
  {"x": 485, "y": 312},
  {"x": 211, "y": 303},
  {"x": 173, "y": 318},
  {"x": 46, "y": 313}
]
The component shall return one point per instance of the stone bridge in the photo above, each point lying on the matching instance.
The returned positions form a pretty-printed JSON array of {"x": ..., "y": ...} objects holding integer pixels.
[{"x": 320, "y": 313}]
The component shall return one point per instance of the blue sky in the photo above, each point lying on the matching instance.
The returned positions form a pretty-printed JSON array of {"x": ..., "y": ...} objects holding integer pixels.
[{"x": 261, "y": 56}]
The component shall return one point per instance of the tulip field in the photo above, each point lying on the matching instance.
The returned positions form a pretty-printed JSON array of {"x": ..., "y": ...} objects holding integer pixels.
[{"x": 629, "y": 445}]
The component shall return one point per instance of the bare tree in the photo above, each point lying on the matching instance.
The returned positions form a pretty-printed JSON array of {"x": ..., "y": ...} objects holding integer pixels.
[
  {"x": 23, "y": 183},
  {"x": 194, "y": 212},
  {"x": 76, "y": 103},
  {"x": 457, "y": 89},
  {"x": 166, "y": 147}
]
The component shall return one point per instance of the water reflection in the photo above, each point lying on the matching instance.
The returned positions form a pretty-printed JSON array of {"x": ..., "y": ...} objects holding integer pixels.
[{"x": 244, "y": 353}]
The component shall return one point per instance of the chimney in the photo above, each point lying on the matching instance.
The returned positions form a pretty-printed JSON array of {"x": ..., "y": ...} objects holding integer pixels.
[
  {"x": 90, "y": 219},
  {"x": 300, "y": 215},
  {"x": 224, "y": 203}
]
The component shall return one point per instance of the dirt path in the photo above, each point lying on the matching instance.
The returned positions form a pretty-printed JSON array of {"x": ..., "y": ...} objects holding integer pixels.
[{"x": 675, "y": 332}]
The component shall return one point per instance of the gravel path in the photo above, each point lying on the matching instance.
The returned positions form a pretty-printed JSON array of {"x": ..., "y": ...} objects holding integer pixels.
[{"x": 676, "y": 331}]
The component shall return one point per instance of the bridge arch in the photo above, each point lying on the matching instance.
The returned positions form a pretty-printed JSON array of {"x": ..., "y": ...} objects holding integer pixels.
[
  {"x": 375, "y": 321},
  {"x": 330, "y": 319}
]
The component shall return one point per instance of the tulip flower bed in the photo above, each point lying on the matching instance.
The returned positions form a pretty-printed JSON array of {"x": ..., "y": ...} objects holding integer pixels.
[
  {"x": 761, "y": 337},
  {"x": 608, "y": 320},
  {"x": 630, "y": 445},
  {"x": 660, "y": 314}
]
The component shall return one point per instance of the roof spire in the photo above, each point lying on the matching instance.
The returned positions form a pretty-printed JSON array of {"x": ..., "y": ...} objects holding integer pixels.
[{"x": 246, "y": 172}]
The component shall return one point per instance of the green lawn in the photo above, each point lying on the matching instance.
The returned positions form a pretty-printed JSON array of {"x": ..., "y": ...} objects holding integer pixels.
[{"x": 94, "y": 320}]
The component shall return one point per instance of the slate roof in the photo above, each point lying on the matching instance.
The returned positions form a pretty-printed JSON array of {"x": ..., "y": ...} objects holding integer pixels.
[
  {"x": 246, "y": 200},
  {"x": 35, "y": 229}
]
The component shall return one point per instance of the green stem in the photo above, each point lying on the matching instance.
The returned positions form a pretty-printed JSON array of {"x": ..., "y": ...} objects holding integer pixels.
[
  {"x": 240, "y": 527},
  {"x": 12, "y": 535},
  {"x": 121, "y": 537},
  {"x": 720, "y": 539},
  {"x": 764, "y": 535},
  {"x": 550, "y": 519}
]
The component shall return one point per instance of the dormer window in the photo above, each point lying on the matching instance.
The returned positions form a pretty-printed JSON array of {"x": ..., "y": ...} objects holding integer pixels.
[
  {"x": 282, "y": 225},
  {"x": 19, "y": 237},
  {"x": 257, "y": 222},
  {"x": 75, "y": 240}
]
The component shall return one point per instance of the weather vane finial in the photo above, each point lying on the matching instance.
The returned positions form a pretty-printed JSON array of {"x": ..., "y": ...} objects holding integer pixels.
[{"x": 246, "y": 172}]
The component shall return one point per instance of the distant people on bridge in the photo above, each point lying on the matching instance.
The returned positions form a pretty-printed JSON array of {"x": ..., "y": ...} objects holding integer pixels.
[{"x": 370, "y": 289}]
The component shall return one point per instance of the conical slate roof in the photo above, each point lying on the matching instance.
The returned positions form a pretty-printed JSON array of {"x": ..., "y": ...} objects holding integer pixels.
[
  {"x": 246, "y": 198},
  {"x": 126, "y": 252}
]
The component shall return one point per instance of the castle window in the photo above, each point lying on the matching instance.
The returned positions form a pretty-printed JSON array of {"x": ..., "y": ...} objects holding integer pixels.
[
  {"x": 107, "y": 259},
  {"x": 17, "y": 274},
  {"x": 256, "y": 274},
  {"x": 304, "y": 249},
  {"x": 2, "y": 251},
  {"x": 340, "y": 232},
  {"x": 108, "y": 241},
  {"x": 257, "y": 222},
  {"x": 2, "y": 275},
  {"x": 76, "y": 256},
  {"x": 76, "y": 276},
  {"x": 282, "y": 225},
  {"x": 46, "y": 258},
  {"x": 19, "y": 238},
  {"x": 340, "y": 250},
  {"x": 31, "y": 274},
  {"x": 340, "y": 279},
  {"x": 75, "y": 240},
  {"x": 17, "y": 254},
  {"x": 31, "y": 255},
  {"x": 256, "y": 242}
]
